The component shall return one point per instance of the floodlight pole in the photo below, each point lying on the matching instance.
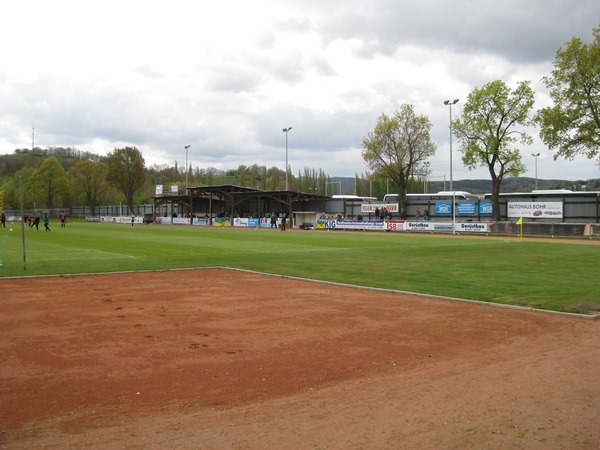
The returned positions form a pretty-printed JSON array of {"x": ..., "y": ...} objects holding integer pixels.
[
  {"x": 285, "y": 130},
  {"x": 450, "y": 103},
  {"x": 535, "y": 155},
  {"x": 186, "y": 167}
]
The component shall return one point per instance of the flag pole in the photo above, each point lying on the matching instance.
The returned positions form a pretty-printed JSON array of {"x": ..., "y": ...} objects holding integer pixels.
[{"x": 520, "y": 223}]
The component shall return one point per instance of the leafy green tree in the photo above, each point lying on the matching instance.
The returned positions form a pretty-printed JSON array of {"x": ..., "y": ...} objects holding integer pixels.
[
  {"x": 90, "y": 177},
  {"x": 572, "y": 126},
  {"x": 127, "y": 172},
  {"x": 487, "y": 131},
  {"x": 48, "y": 183},
  {"x": 11, "y": 185},
  {"x": 397, "y": 146}
]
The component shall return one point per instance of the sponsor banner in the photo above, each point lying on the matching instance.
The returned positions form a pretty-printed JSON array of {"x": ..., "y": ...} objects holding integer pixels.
[
  {"x": 421, "y": 226},
  {"x": 486, "y": 208},
  {"x": 443, "y": 227},
  {"x": 325, "y": 224},
  {"x": 538, "y": 210},
  {"x": 359, "y": 225},
  {"x": 200, "y": 221},
  {"x": 466, "y": 208},
  {"x": 394, "y": 225},
  {"x": 120, "y": 219},
  {"x": 471, "y": 227},
  {"x": 462, "y": 227},
  {"x": 221, "y": 222},
  {"x": 246, "y": 222},
  {"x": 369, "y": 208},
  {"x": 443, "y": 208},
  {"x": 399, "y": 225},
  {"x": 462, "y": 208}
]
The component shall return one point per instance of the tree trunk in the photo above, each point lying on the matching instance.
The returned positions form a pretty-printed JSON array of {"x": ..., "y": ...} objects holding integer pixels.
[{"x": 496, "y": 198}]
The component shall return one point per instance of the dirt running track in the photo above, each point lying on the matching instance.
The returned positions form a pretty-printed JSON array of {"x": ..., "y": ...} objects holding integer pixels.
[{"x": 227, "y": 359}]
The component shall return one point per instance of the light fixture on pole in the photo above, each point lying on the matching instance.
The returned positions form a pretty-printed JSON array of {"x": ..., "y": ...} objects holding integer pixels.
[
  {"x": 285, "y": 130},
  {"x": 535, "y": 155},
  {"x": 450, "y": 103},
  {"x": 186, "y": 166},
  {"x": 426, "y": 166}
]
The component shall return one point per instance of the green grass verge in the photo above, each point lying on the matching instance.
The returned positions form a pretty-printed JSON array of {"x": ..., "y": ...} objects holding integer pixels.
[{"x": 536, "y": 273}]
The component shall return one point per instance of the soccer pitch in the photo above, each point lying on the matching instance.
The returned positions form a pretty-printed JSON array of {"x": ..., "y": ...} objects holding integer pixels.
[{"x": 539, "y": 273}]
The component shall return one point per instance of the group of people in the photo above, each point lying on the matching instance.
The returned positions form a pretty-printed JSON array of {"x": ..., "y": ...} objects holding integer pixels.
[
  {"x": 275, "y": 216},
  {"x": 422, "y": 215},
  {"x": 383, "y": 213},
  {"x": 35, "y": 220}
]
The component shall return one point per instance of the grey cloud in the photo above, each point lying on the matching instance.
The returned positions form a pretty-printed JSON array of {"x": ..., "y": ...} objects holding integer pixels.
[{"x": 515, "y": 30}]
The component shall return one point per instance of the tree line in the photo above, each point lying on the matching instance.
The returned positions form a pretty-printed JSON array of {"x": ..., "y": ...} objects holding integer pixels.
[
  {"x": 494, "y": 123},
  {"x": 65, "y": 177}
]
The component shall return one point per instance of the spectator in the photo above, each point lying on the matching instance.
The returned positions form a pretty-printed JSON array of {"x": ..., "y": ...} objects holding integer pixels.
[
  {"x": 283, "y": 220},
  {"x": 274, "y": 219}
]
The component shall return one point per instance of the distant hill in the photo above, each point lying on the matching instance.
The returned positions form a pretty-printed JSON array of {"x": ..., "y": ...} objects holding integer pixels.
[
  {"x": 514, "y": 184},
  {"x": 518, "y": 184}
]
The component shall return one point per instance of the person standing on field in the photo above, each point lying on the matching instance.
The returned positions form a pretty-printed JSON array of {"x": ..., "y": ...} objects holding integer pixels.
[
  {"x": 63, "y": 219},
  {"x": 274, "y": 219},
  {"x": 283, "y": 220},
  {"x": 132, "y": 219},
  {"x": 46, "y": 222},
  {"x": 36, "y": 222}
]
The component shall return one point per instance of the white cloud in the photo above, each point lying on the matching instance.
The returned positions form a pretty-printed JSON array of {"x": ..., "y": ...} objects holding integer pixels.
[{"x": 226, "y": 77}]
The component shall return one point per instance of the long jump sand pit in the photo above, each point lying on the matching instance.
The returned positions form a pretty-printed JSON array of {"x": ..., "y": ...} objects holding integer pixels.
[{"x": 220, "y": 358}]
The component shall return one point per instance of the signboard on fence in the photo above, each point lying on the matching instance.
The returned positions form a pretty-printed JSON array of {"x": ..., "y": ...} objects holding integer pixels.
[
  {"x": 539, "y": 210},
  {"x": 246, "y": 222},
  {"x": 459, "y": 227},
  {"x": 359, "y": 225},
  {"x": 486, "y": 208},
  {"x": 369, "y": 208}
]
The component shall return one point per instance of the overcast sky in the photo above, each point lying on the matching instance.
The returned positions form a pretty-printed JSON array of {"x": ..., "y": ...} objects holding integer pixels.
[{"x": 226, "y": 77}]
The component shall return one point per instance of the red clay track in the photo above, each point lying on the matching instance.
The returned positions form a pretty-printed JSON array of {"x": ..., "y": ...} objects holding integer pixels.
[{"x": 227, "y": 359}]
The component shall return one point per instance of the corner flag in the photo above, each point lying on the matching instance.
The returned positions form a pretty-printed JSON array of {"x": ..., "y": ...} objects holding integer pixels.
[{"x": 520, "y": 221}]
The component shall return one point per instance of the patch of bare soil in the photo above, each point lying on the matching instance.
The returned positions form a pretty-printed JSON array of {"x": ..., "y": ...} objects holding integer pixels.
[{"x": 227, "y": 359}]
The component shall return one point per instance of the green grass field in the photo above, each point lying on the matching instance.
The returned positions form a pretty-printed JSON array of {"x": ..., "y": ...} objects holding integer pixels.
[{"x": 539, "y": 273}]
